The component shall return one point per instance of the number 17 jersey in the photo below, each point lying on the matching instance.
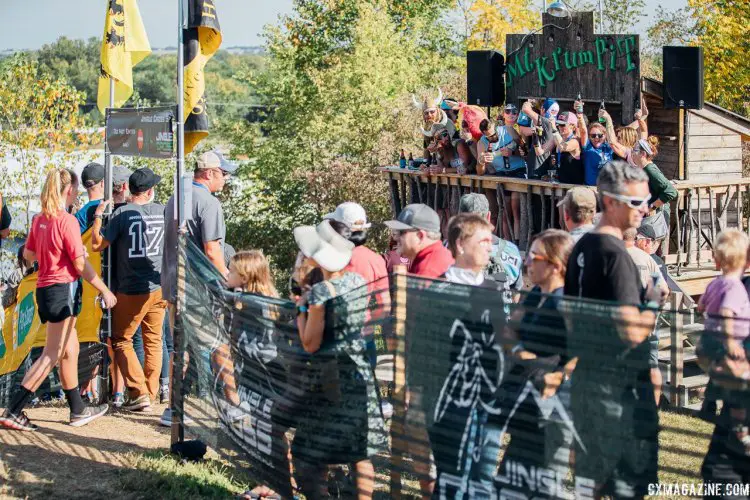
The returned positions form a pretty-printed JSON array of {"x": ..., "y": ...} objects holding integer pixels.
[{"x": 137, "y": 234}]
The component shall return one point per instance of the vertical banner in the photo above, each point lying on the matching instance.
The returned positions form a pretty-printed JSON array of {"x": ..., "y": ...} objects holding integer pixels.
[{"x": 202, "y": 39}]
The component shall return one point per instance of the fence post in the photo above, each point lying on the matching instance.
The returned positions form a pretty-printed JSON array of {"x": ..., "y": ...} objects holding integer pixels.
[
  {"x": 676, "y": 350},
  {"x": 178, "y": 399},
  {"x": 398, "y": 312}
]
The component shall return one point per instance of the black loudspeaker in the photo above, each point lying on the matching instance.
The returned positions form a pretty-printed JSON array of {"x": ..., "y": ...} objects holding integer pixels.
[
  {"x": 683, "y": 77},
  {"x": 485, "y": 77}
]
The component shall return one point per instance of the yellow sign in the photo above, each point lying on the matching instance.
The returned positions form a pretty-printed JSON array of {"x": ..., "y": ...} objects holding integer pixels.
[{"x": 23, "y": 330}]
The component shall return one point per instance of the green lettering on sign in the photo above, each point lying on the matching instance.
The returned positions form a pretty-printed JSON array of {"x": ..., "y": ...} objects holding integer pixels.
[
  {"x": 549, "y": 66},
  {"x": 26, "y": 312}
]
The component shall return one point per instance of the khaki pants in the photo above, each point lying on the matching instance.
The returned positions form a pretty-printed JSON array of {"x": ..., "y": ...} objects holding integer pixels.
[{"x": 146, "y": 311}]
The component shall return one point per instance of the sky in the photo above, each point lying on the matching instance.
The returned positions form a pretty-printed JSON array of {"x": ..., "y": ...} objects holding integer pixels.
[{"x": 29, "y": 24}]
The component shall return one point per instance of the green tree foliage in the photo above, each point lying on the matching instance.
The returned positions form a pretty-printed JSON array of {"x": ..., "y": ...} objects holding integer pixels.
[
  {"x": 40, "y": 124},
  {"x": 338, "y": 79},
  {"x": 619, "y": 16},
  {"x": 721, "y": 28}
]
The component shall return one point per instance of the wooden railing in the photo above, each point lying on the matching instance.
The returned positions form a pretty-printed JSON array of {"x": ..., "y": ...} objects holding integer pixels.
[{"x": 700, "y": 212}]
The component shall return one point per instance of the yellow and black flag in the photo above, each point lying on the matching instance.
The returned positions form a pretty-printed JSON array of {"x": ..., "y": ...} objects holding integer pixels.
[
  {"x": 124, "y": 45},
  {"x": 201, "y": 39}
]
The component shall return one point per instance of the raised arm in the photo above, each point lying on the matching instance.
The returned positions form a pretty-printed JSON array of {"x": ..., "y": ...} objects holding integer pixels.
[
  {"x": 619, "y": 149},
  {"x": 98, "y": 242}
]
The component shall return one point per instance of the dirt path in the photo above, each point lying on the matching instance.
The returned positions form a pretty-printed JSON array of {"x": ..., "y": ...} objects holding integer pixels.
[{"x": 59, "y": 461}]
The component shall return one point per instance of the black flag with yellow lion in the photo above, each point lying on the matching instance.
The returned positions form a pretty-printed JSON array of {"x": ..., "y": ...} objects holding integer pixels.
[{"x": 201, "y": 38}]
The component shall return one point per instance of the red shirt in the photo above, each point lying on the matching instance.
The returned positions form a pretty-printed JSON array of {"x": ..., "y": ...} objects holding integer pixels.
[
  {"x": 57, "y": 243},
  {"x": 393, "y": 259},
  {"x": 369, "y": 265},
  {"x": 432, "y": 262}
]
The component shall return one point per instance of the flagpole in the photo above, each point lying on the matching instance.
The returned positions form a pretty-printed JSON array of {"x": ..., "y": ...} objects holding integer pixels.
[
  {"x": 176, "y": 401},
  {"x": 179, "y": 188}
]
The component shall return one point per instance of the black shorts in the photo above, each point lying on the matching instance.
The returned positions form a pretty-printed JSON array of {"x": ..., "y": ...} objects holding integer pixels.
[{"x": 59, "y": 302}]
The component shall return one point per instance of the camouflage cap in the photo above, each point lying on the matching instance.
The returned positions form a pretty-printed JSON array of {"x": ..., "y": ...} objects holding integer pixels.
[{"x": 474, "y": 203}]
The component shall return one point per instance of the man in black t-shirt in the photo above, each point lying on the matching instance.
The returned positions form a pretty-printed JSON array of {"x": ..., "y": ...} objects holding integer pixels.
[{"x": 611, "y": 395}]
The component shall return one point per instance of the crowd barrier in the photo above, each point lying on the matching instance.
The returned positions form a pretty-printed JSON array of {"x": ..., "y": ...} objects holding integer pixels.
[{"x": 468, "y": 414}]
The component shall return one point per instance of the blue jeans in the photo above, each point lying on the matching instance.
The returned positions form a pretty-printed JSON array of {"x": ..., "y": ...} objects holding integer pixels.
[
  {"x": 167, "y": 349},
  {"x": 140, "y": 353}
]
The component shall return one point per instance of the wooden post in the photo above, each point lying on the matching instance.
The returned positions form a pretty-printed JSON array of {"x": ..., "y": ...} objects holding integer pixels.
[
  {"x": 740, "y": 208},
  {"x": 681, "y": 146},
  {"x": 418, "y": 178},
  {"x": 501, "y": 210},
  {"x": 395, "y": 199},
  {"x": 544, "y": 211},
  {"x": 402, "y": 185},
  {"x": 525, "y": 223},
  {"x": 713, "y": 215},
  {"x": 398, "y": 314},
  {"x": 529, "y": 211},
  {"x": 554, "y": 223},
  {"x": 675, "y": 216},
  {"x": 700, "y": 231},
  {"x": 513, "y": 235},
  {"x": 178, "y": 399},
  {"x": 676, "y": 351}
]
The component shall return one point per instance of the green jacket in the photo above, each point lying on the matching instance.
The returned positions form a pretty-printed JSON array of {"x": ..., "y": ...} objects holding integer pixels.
[{"x": 660, "y": 187}]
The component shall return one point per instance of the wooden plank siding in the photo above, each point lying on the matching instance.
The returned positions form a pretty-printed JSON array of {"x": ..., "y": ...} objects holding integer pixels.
[{"x": 714, "y": 151}]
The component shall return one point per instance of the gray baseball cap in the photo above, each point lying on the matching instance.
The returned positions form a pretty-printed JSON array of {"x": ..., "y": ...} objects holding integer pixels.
[
  {"x": 120, "y": 174},
  {"x": 416, "y": 216},
  {"x": 474, "y": 203}
]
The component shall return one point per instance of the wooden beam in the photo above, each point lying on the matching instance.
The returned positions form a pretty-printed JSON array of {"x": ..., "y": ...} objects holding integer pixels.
[
  {"x": 681, "y": 171},
  {"x": 676, "y": 350},
  {"x": 399, "y": 446}
]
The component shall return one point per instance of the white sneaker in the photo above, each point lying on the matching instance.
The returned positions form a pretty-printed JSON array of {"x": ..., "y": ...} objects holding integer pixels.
[
  {"x": 387, "y": 409},
  {"x": 166, "y": 418}
]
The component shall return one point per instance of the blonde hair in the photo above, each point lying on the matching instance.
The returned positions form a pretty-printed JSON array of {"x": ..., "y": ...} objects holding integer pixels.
[
  {"x": 464, "y": 226},
  {"x": 730, "y": 249},
  {"x": 556, "y": 246},
  {"x": 255, "y": 271},
  {"x": 627, "y": 136},
  {"x": 653, "y": 141},
  {"x": 57, "y": 181}
]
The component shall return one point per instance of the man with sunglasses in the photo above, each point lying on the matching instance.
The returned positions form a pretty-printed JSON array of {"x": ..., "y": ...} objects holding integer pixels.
[
  {"x": 417, "y": 233},
  {"x": 612, "y": 396},
  {"x": 595, "y": 150}
]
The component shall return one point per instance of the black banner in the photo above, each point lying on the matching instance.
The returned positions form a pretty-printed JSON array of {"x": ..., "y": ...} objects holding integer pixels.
[{"x": 143, "y": 132}]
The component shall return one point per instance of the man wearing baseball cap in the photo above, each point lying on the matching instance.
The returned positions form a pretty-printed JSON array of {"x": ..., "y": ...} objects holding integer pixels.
[
  {"x": 136, "y": 230},
  {"x": 92, "y": 178},
  {"x": 417, "y": 231},
  {"x": 579, "y": 208},
  {"x": 120, "y": 192},
  {"x": 206, "y": 228}
]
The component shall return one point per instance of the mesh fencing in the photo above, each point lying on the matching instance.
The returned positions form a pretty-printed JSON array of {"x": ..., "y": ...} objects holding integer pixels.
[{"x": 484, "y": 402}]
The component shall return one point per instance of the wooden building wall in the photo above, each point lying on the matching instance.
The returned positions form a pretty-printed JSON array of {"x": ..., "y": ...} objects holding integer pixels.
[
  {"x": 665, "y": 124},
  {"x": 714, "y": 151}
]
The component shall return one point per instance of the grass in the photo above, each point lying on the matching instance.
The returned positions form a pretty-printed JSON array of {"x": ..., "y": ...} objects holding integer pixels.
[
  {"x": 683, "y": 444},
  {"x": 160, "y": 475}
]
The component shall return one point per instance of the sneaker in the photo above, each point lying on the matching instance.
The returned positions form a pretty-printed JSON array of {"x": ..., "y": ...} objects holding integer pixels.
[
  {"x": 387, "y": 409},
  {"x": 141, "y": 404},
  {"x": 118, "y": 400},
  {"x": 166, "y": 418},
  {"x": 89, "y": 414},
  {"x": 17, "y": 422},
  {"x": 164, "y": 394}
]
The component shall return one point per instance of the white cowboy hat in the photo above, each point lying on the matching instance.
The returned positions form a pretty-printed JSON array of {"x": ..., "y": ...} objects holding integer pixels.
[{"x": 324, "y": 245}]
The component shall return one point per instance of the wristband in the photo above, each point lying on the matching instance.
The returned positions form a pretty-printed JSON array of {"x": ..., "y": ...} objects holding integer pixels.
[
  {"x": 516, "y": 348},
  {"x": 302, "y": 309},
  {"x": 98, "y": 216},
  {"x": 652, "y": 305}
]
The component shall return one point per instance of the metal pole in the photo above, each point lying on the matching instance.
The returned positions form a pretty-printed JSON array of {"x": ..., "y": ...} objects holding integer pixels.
[
  {"x": 107, "y": 155},
  {"x": 180, "y": 117},
  {"x": 177, "y": 401},
  {"x": 601, "y": 17},
  {"x": 544, "y": 6}
]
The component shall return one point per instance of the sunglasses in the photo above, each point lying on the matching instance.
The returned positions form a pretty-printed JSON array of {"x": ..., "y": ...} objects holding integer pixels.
[
  {"x": 532, "y": 256},
  {"x": 631, "y": 201},
  {"x": 596, "y": 136},
  {"x": 399, "y": 233},
  {"x": 508, "y": 112},
  {"x": 443, "y": 135}
]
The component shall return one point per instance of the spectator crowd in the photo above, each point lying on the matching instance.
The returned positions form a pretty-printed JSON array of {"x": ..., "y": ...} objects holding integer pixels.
[{"x": 612, "y": 260}]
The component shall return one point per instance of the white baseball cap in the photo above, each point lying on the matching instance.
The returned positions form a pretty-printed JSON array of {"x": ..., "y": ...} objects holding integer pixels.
[
  {"x": 352, "y": 214},
  {"x": 324, "y": 245}
]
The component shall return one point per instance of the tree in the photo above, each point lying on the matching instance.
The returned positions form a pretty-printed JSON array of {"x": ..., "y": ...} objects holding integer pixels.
[
  {"x": 487, "y": 22},
  {"x": 40, "y": 124},
  {"x": 338, "y": 78},
  {"x": 619, "y": 17},
  {"x": 721, "y": 28}
]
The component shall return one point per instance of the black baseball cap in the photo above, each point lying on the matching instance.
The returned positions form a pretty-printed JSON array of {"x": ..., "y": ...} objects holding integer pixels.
[
  {"x": 92, "y": 174},
  {"x": 142, "y": 180}
]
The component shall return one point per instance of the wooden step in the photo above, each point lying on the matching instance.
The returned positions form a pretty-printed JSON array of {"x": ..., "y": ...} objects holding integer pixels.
[
  {"x": 696, "y": 381},
  {"x": 688, "y": 355}
]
